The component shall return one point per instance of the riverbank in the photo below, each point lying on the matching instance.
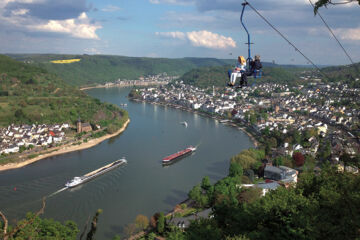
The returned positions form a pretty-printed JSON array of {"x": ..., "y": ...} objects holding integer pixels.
[
  {"x": 64, "y": 149},
  {"x": 231, "y": 123}
]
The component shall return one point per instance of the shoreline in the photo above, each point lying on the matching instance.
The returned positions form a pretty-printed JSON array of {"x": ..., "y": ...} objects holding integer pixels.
[
  {"x": 251, "y": 136},
  {"x": 64, "y": 149},
  {"x": 121, "y": 85}
]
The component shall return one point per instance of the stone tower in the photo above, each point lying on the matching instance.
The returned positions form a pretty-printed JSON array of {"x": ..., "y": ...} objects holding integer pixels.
[{"x": 78, "y": 126}]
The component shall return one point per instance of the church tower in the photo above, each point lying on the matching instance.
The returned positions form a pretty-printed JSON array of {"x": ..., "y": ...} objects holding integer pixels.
[{"x": 78, "y": 126}]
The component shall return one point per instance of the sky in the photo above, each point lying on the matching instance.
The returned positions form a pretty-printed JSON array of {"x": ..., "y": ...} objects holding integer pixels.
[{"x": 180, "y": 28}]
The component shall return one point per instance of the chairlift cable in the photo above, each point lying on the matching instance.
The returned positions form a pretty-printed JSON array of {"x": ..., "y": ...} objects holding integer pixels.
[
  {"x": 287, "y": 40},
  {"x": 328, "y": 27}
]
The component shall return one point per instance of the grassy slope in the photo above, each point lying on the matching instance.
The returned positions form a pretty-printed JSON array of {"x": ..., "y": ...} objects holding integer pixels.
[
  {"x": 29, "y": 94},
  {"x": 101, "y": 68}
]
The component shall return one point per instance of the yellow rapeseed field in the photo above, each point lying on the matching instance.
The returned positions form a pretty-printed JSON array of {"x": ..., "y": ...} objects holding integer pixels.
[{"x": 66, "y": 61}]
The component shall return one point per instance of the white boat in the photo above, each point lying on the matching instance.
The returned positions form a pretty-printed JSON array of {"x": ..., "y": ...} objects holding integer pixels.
[
  {"x": 184, "y": 123},
  {"x": 224, "y": 121},
  {"x": 87, "y": 177}
]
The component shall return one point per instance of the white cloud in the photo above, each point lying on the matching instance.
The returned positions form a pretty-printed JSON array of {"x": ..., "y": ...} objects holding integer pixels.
[
  {"x": 178, "y": 35},
  {"x": 20, "y": 17},
  {"x": 79, "y": 27},
  {"x": 210, "y": 40},
  {"x": 202, "y": 39},
  {"x": 348, "y": 33},
  {"x": 175, "y": 2},
  {"x": 111, "y": 8},
  {"x": 22, "y": 11}
]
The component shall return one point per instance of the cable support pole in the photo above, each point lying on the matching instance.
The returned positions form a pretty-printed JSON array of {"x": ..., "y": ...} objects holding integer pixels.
[
  {"x": 328, "y": 27},
  {"x": 288, "y": 41}
]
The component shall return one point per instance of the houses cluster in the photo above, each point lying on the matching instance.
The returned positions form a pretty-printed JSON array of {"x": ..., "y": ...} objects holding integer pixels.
[
  {"x": 274, "y": 178},
  {"x": 14, "y": 137},
  {"x": 317, "y": 106},
  {"x": 149, "y": 80}
]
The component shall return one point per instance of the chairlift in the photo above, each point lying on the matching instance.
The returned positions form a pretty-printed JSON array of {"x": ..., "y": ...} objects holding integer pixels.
[{"x": 251, "y": 70}]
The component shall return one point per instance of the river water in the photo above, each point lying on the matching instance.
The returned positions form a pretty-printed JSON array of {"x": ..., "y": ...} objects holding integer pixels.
[{"x": 143, "y": 186}]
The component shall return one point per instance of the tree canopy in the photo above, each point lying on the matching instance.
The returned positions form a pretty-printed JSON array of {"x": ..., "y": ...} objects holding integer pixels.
[{"x": 324, "y": 3}]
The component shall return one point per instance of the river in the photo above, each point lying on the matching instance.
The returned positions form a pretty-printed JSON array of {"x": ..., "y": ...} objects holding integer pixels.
[{"x": 143, "y": 186}]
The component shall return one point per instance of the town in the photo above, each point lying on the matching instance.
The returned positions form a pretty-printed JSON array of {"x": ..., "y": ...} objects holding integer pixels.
[
  {"x": 324, "y": 108},
  {"x": 16, "y": 138},
  {"x": 150, "y": 80}
]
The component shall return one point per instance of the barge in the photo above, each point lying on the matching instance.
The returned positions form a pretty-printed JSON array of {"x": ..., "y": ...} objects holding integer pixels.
[{"x": 176, "y": 156}]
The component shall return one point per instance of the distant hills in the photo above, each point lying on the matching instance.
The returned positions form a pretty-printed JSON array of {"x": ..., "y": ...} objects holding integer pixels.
[
  {"x": 349, "y": 74},
  {"x": 87, "y": 70},
  {"x": 29, "y": 94},
  {"x": 218, "y": 76},
  {"x": 93, "y": 69}
]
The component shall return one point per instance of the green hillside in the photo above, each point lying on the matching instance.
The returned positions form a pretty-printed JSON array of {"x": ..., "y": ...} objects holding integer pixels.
[
  {"x": 347, "y": 74},
  {"x": 100, "y": 68},
  {"x": 29, "y": 94},
  {"x": 218, "y": 76}
]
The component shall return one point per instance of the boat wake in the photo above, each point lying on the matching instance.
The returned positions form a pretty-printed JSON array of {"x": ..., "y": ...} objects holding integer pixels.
[{"x": 59, "y": 191}]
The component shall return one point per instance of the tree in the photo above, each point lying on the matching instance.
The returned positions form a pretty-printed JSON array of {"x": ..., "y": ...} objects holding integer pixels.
[
  {"x": 299, "y": 159},
  {"x": 175, "y": 234},
  {"x": 19, "y": 114},
  {"x": 349, "y": 160},
  {"x": 34, "y": 227},
  {"x": 141, "y": 222},
  {"x": 153, "y": 220},
  {"x": 161, "y": 223},
  {"x": 130, "y": 229},
  {"x": 205, "y": 183},
  {"x": 203, "y": 229},
  {"x": 235, "y": 170},
  {"x": 266, "y": 131},
  {"x": 324, "y": 3},
  {"x": 93, "y": 228},
  {"x": 250, "y": 195},
  {"x": 195, "y": 193},
  {"x": 325, "y": 153},
  {"x": 151, "y": 236},
  {"x": 252, "y": 119},
  {"x": 278, "y": 161},
  {"x": 296, "y": 137},
  {"x": 240, "y": 237}
]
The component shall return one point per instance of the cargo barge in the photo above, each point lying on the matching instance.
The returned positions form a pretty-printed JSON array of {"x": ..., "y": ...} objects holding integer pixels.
[
  {"x": 87, "y": 177},
  {"x": 176, "y": 156}
]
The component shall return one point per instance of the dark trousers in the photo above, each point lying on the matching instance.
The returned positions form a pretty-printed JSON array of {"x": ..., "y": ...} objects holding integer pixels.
[{"x": 243, "y": 81}]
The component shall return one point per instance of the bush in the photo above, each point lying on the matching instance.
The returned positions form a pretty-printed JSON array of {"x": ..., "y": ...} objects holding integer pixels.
[
  {"x": 111, "y": 129},
  {"x": 299, "y": 159}
]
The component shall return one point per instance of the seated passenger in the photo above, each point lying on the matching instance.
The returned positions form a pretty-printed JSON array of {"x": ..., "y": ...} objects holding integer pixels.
[
  {"x": 255, "y": 66},
  {"x": 238, "y": 71}
]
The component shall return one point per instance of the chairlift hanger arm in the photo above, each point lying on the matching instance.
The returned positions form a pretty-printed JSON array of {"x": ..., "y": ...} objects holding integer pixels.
[{"x": 248, "y": 34}]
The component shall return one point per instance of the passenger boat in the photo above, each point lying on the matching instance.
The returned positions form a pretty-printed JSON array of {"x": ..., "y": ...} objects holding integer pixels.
[{"x": 87, "y": 177}]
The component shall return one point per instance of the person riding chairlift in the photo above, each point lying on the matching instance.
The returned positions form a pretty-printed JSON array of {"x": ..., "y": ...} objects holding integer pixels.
[
  {"x": 255, "y": 67},
  {"x": 239, "y": 71}
]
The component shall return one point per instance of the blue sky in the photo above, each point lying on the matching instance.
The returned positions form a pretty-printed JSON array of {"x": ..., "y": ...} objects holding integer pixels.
[{"x": 178, "y": 28}]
